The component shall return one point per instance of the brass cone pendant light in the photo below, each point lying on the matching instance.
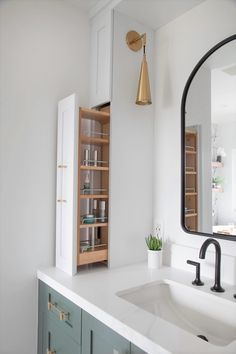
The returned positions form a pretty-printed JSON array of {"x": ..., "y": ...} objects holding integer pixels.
[
  {"x": 144, "y": 92},
  {"x": 135, "y": 41}
]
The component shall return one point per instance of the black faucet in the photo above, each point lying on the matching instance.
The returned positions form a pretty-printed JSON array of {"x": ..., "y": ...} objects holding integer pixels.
[{"x": 217, "y": 286}]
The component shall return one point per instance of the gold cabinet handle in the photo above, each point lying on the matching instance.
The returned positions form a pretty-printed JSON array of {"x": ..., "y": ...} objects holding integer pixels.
[
  {"x": 63, "y": 316},
  {"x": 61, "y": 200},
  {"x": 62, "y": 166}
]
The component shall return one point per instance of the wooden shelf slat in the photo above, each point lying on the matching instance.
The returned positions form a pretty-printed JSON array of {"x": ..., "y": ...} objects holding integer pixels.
[
  {"x": 99, "y": 254},
  {"x": 191, "y": 152},
  {"x": 190, "y": 194},
  {"x": 94, "y": 168},
  {"x": 190, "y": 172},
  {"x": 217, "y": 164},
  {"x": 98, "y": 224},
  {"x": 93, "y": 114},
  {"x": 94, "y": 196},
  {"x": 190, "y": 132},
  {"x": 190, "y": 215},
  {"x": 218, "y": 190},
  {"x": 93, "y": 140}
]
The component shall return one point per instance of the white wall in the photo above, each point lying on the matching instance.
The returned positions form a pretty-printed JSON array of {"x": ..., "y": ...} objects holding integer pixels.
[
  {"x": 131, "y": 149},
  {"x": 225, "y": 212},
  {"x": 179, "y": 46},
  {"x": 198, "y": 113},
  {"x": 43, "y": 57}
]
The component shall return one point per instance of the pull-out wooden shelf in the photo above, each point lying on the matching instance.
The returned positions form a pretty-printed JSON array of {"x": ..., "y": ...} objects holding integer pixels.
[
  {"x": 94, "y": 196},
  {"x": 94, "y": 168},
  {"x": 190, "y": 172},
  {"x": 93, "y": 114},
  {"x": 190, "y": 152},
  {"x": 190, "y": 215},
  {"x": 94, "y": 136},
  {"x": 99, "y": 254},
  {"x": 100, "y": 224},
  {"x": 93, "y": 140},
  {"x": 191, "y": 179}
]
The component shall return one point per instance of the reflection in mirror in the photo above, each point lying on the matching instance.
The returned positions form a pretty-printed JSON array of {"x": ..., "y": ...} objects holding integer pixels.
[{"x": 210, "y": 146}]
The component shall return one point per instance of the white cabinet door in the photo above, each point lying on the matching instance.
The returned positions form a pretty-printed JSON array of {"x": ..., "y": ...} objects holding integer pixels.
[
  {"x": 67, "y": 170},
  {"x": 101, "y": 57}
]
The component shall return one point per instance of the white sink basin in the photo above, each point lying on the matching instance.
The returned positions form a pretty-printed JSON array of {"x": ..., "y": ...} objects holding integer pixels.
[{"x": 188, "y": 308}]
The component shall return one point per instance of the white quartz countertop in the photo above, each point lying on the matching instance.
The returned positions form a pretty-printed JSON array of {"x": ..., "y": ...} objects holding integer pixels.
[{"x": 96, "y": 290}]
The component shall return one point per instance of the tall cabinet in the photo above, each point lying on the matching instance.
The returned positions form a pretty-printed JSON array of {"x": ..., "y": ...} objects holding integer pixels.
[
  {"x": 93, "y": 185},
  {"x": 191, "y": 181},
  {"x": 82, "y": 200}
]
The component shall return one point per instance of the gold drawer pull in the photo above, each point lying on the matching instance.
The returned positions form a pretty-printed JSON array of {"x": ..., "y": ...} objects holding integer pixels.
[
  {"x": 62, "y": 166},
  {"x": 51, "y": 351},
  {"x": 61, "y": 200},
  {"x": 63, "y": 316}
]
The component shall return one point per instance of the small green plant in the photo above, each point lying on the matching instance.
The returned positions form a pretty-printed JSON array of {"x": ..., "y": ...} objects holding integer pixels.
[
  {"x": 154, "y": 243},
  {"x": 217, "y": 180}
]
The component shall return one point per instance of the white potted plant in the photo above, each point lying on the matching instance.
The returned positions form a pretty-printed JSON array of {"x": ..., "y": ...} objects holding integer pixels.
[{"x": 154, "y": 244}]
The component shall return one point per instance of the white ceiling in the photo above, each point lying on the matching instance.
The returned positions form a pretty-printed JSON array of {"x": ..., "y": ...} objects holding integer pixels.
[
  {"x": 153, "y": 13},
  {"x": 156, "y": 13},
  {"x": 84, "y": 4}
]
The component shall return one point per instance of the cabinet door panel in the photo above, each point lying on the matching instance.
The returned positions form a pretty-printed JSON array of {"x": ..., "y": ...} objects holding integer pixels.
[
  {"x": 56, "y": 341},
  {"x": 101, "y": 57},
  {"x": 99, "y": 339},
  {"x": 53, "y": 304},
  {"x": 66, "y": 203}
]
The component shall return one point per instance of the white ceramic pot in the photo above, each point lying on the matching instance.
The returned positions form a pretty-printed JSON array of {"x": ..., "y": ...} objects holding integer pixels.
[{"x": 154, "y": 259}]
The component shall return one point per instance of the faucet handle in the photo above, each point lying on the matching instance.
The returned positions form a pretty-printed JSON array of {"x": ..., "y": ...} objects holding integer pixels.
[{"x": 197, "y": 280}]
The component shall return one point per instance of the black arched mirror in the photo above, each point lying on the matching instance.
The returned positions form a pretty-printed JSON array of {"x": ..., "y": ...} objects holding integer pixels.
[{"x": 208, "y": 144}]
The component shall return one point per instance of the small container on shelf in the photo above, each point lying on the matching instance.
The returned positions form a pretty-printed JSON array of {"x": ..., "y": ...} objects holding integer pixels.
[
  {"x": 189, "y": 211},
  {"x": 87, "y": 184},
  {"x": 102, "y": 211},
  {"x": 85, "y": 246},
  {"x": 86, "y": 157},
  {"x": 95, "y": 161},
  {"x": 92, "y": 237},
  {"x": 88, "y": 219},
  {"x": 95, "y": 208}
]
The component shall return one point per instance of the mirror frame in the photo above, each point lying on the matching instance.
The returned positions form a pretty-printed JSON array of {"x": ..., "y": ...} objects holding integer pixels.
[{"x": 183, "y": 111}]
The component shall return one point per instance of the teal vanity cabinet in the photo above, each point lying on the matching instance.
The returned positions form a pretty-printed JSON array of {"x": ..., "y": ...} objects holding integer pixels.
[
  {"x": 100, "y": 339},
  {"x": 56, "y": 342},
  {"x": 63, "y": 328},
  {"x": 59, "y": 323}
]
